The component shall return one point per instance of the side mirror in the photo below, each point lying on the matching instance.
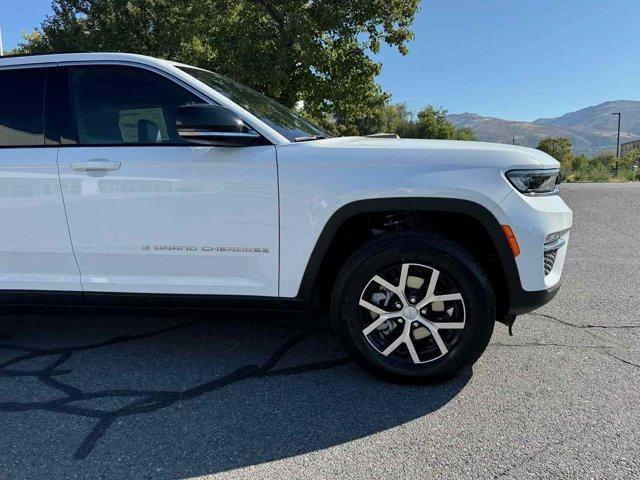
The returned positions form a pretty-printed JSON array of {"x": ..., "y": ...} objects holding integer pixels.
[{"x": 214, "y": 125}]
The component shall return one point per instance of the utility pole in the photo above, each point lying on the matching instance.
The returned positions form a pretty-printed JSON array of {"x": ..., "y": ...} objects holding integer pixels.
[
  {"x": 1, "y": 48},
  {"x": 618, "y": 144}
]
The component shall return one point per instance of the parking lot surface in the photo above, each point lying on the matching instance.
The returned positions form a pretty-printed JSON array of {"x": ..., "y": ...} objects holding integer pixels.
[{"x": 230, "y": 395}]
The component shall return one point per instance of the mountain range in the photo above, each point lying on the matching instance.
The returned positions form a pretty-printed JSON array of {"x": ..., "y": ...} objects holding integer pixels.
[{"x": 590, "y": 129}]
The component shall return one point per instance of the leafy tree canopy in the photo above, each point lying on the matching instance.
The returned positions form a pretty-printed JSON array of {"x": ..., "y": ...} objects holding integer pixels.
[
  {"x": 631, "y": 158},
  {"x": 317, "y": 51},
  {"x": 579, "y": 162},
  {"x": 430, "y": 122},
  {"x": 558, "y": 148},
  {"x": 605, "y": 158}
]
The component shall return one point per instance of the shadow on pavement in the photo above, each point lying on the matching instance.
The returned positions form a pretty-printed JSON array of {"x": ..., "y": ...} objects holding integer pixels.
[{"x": 96, "y": 393}]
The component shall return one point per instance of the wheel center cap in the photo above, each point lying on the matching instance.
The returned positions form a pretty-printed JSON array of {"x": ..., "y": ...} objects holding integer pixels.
[{"x": 410, "y": 313}]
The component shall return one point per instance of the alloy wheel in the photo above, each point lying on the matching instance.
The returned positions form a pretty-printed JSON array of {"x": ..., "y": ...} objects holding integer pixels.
[{"x": 412, "y": 313}]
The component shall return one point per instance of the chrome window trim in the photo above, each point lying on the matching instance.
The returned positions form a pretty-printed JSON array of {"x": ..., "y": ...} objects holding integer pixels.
[
  {"x": 212, "y": 133},
  {"x": 27, "y": 66}
]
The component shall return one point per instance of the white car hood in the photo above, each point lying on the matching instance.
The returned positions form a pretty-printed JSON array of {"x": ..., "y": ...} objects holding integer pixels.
[{"x": 477, "y": 153}]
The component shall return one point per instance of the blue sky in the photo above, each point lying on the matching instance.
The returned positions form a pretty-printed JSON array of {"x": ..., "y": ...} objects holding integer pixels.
[{"x": 512, "y": 59}]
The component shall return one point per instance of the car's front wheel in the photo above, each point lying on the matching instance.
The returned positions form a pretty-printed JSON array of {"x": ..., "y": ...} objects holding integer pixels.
[{"x": 413, "y": 307}]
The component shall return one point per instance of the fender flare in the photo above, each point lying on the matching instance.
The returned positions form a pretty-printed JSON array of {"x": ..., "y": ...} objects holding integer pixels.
[{"x": 519, "y": 300}]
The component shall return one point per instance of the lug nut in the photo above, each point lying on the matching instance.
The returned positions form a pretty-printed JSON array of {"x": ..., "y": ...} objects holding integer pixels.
[
  {"x": 423, "y": 311},
  {"x": 415, "y": 324},
  {"x": 400, "y": 320},
  {"x": 413, "y": 300},
  {"x": 398, "y": 305}
]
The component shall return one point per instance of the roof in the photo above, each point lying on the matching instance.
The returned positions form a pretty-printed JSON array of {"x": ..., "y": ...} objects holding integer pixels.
[{"x": 39, "y": 59}]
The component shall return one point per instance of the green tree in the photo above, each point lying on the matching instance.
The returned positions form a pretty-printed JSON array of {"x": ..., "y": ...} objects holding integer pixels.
[
  {"x": 631, "y": 158},
  {"x": 579, "y": 162},
  {"x": 397, "y": 118},
  {"x": 390, "y": 118},
  {"x": 558, "y": 148},
  {"x": 432, "y": 122},
  {"x": 318, "y": 51},
  {"x": 606, "y": 159}
]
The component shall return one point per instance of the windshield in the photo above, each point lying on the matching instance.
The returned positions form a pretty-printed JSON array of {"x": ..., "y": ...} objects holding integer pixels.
[{"x": 285, "y": 121}]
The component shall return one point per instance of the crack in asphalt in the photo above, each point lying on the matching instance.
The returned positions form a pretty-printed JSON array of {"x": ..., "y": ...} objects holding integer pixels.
[
  {"x": 628, "y": 362},
  {"x": 522, "y": 463},
  {"x": 149, "y": 401},
  {"x": 569, "y": 324},
  {"x": 602, "y": 349},
  {"x": 558, "y": 345},
  {"x": 145, "y": 401}
]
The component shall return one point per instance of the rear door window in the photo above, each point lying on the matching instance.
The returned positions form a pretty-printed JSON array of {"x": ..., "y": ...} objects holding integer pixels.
[{"x": 22, "y": 107}]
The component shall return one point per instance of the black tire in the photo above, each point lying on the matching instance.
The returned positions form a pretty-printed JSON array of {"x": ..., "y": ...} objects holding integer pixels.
[{"x": 425, "y": 249}]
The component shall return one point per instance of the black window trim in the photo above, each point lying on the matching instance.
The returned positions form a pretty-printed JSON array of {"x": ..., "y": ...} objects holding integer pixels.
[
  {"x": 116, "y": 63},
  {"x": 33, "y": 66},
  {"x": 81, "y": 63},
  {"x": 51, "y": 110}
]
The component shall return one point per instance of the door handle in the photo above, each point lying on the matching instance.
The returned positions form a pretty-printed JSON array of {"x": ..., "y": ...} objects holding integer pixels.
[{"x": 96, "y": 165}]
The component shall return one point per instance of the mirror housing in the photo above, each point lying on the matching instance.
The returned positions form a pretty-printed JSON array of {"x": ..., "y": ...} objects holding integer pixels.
[{"x": 214, "y": 125}]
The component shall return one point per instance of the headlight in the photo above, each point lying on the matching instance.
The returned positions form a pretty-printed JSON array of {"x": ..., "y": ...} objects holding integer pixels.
[{"x": 535, "y": 182}]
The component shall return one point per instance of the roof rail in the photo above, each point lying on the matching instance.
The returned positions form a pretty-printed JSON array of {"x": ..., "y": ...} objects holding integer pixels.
[{"x": 18, "y": 55}]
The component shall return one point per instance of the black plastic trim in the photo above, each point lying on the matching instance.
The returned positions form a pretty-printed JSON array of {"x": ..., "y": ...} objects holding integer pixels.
[
  {"x": 40, "y": 297},
  {"x": 52, "y": 107},
  {"x": 147, "y": 301},
  {"x": 520, "y": 301},
  {"x": 526, "y": 302},
  {"x": 44, "y": 70}
]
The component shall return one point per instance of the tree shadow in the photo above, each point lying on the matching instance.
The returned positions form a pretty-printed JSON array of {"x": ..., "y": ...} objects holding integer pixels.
[{"x": 174, "y": 396}]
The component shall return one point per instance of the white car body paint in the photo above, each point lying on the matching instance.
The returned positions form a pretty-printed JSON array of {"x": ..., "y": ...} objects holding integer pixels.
[
  {"x": 277, "y": 197},
  {"x": 124, "y": 223},
  {"x": 35, "y": 250},
  {"x": 318, "y": 178}
]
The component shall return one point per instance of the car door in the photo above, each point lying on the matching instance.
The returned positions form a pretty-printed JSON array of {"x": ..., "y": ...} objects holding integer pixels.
[
  {"x": 150, "y": 213},
  {"x": 35, "y": 248}
]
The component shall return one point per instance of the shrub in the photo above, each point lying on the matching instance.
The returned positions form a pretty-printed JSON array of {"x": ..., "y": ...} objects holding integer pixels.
[
  {"x": 627, "y": 174},
  {"x": 579, "y": 163},
  {"x": 591, "y": 173},
  {"x": 607, "y": 159}
]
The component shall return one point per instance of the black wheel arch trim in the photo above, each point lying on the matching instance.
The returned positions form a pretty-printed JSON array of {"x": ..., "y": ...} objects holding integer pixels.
[{"x": 520, "y": 301}]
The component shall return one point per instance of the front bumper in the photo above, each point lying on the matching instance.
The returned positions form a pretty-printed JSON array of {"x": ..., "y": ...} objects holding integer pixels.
[
  {"x": 532, "y": 219},
  {"x": 539, "y": 270},
  {"x": 523, "y": 301}
]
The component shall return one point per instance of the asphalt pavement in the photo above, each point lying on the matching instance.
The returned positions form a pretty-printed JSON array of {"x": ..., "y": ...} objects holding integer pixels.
[{"x": 229, "y": 395}]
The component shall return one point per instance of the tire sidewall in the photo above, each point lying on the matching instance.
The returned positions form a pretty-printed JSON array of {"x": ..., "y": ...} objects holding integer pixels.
[{"x": 432, "y": 252}]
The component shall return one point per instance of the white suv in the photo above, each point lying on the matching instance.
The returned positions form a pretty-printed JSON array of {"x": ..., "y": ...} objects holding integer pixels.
[{"x": 126, "y": 179}]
